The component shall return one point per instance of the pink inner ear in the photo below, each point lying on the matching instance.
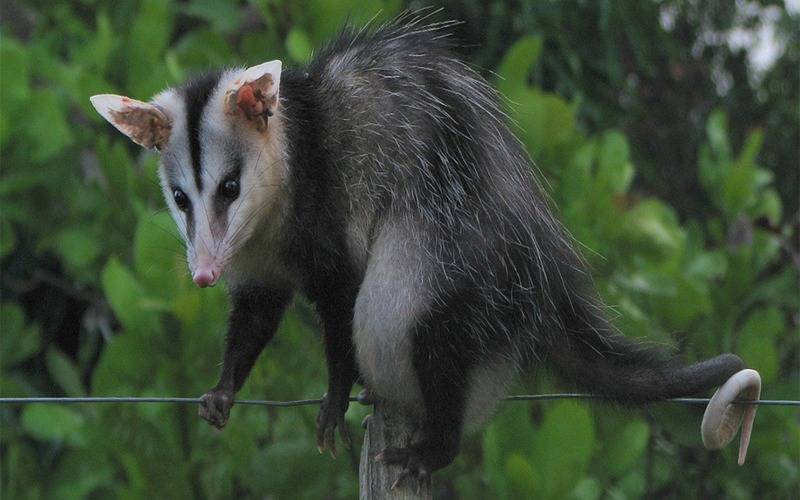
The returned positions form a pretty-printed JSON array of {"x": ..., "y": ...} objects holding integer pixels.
[
  {"x": 254, "y": 100},
  {"x": 146, "y": 127},
  {"x": 246, "y": 99}
]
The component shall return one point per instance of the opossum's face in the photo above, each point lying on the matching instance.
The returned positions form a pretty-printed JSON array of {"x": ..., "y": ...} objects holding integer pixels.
[{"x": 222, "y": 162}]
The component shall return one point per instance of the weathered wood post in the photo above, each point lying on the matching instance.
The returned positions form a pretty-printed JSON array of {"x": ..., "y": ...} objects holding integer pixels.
[{"x": 388, "y": 426}]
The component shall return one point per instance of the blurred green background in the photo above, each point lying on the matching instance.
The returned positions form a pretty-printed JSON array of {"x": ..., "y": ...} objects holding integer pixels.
[{"x": 668, "y": 135}]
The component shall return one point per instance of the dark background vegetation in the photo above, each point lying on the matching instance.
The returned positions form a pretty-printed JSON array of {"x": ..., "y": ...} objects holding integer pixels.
[{"x": 672, "y": 157}]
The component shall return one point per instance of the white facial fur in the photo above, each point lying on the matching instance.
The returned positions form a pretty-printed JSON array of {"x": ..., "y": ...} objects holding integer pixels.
[
  {"x": 217, "y": 238},
  {"x": 263, "y": 178}
]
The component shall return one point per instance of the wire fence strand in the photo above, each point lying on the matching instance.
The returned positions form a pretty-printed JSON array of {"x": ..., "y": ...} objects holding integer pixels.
[{"x": 307, "y": 402}]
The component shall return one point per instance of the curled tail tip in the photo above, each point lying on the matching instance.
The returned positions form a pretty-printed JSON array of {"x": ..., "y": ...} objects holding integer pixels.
[{"x": 723, "y": 417}]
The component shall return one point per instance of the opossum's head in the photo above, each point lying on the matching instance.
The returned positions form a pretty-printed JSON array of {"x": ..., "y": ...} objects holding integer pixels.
[{"x": 222, "y": 159}]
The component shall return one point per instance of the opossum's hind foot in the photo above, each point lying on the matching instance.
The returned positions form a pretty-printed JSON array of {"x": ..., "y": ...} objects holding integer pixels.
[
  {"x": 414, "y": 467},
  {"x": 418, "y": 461},
  {"x": 215, "y": 407},
  {"x": 329, "y": 418}
]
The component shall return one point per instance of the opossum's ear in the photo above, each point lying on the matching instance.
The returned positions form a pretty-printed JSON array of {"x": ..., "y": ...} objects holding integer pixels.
[
  {"x": 145, "y": 124},
  {"x": 254, "y": 96}
]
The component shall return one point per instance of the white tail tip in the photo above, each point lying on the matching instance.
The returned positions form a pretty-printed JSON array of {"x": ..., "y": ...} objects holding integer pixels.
[{"x": 722, "y": 417}]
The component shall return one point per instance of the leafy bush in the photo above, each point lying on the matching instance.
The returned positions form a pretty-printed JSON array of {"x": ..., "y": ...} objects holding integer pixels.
[{"x": 96, "y": 297}]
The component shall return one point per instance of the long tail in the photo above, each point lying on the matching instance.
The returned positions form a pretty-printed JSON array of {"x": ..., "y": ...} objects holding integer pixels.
[{"x": 594, "y": 357}]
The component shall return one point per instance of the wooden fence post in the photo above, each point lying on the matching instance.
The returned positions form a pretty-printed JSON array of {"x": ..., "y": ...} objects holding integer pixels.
[{"x": 387, "y": 427}]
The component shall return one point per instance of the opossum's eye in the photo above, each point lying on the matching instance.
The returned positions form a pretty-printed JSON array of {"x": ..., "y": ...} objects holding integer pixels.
[
  {"x": 229, "y": 189},
  {"x": 181, "y": 199}
]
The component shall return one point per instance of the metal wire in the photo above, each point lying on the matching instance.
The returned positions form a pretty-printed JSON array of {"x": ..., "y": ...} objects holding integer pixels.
[{"x": 306, "y": 402}]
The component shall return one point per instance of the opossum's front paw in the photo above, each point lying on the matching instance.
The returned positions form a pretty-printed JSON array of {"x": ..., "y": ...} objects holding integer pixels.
[
  {"x": 413, "y": 463},
  {"x": 215, "y": 407},
  {"x": 329, "y": 418}
]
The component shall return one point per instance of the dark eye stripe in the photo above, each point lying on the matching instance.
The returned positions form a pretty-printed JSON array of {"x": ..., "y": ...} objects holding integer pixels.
[
  {"x": 196, "y": 93},
  {"x": 189, "y": 226}
]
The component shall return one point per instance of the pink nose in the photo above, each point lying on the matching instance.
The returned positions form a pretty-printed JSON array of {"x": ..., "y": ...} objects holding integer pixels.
[{"x": 205, "y": 276}]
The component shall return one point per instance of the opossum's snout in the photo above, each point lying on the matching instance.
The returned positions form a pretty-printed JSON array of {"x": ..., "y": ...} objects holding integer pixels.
[
  {"x": 207, "y": 262},
  {"x": 206, "y": 273},
  {"x": 205, "y": 277}
]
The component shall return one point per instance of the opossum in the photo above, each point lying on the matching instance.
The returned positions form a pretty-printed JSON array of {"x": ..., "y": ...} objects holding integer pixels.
[{"x": 382, "y": 181}]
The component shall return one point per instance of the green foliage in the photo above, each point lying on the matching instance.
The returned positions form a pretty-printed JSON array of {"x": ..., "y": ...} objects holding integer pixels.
[
  {"x": 82, "y": 229},
  {"x": 57, "y": 424}
]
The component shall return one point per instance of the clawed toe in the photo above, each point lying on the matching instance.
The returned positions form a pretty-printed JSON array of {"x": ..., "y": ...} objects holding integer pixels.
[
  {"x": 329, "y": 418},
  {"x": 414, "y": 468}
]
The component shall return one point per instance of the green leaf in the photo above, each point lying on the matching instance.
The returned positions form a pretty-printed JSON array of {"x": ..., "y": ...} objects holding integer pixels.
[
  {"x": 204, "y": 48},
  {"x": 757, "y": 341},
  {"x": 652, "y": 226},
  {"x": 615, "y": 172},
  {"x": 46, "y": 125},
  {"x": 8, "y": 240},
  {"x": 626, "y": 448},
  {"x": 717, "y": 133},
  {"x": 53, "y": 423},
  {"x": 149, "y": 36},
  {"x": 290, "y": 464},
  {"x": 492, "y": 459},
  {"x": 21, "y": 468},
  {"x": 630, "y": 486},
  {"x": 546, "y": 124},
  {"x": 325, "y": 18},
  {"x": 587, "y": 488},
  {"x": 14, "y": 84},
  {"x": 707, "y": 265},
  {"x": 104, "y": 43},
  {"x": 298, "y": 45},
  {"x": 17, "y": 341},
  {"x": 128, "y": 364},
  {"x": 690, "y": 302},
  {"x": 77, "y": 247},
  {"x": 518, "y": 63},
  {"x": 739, "y": 189},
  {"x": 779, "y": 290},
  {"x": 575, "y": 180},
  {"x": 117, "y": 166},
  {"x": 126, "y": 296},
  {"x": 79, "y": 473},
  {"x": 515, "y": 432},
  {"x": 224, "y": 16},
  {"x": 257, "y": 43},
  {"x": 159, "y": 257},
  {"x": 14, "y": 386},
  {"x": 96, "y": 52},
  {"x": 509, "y": 433},
  {"x": 64, "y": 372},
  {"x": 710, "y": 173},
  {"x": 562, "y": 447},
  {"x": 769, "y": 206},
  {"x": 751, "y": 148},
  {"x": 521, "y": 477}
]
